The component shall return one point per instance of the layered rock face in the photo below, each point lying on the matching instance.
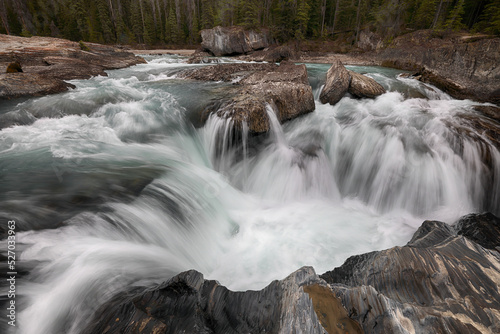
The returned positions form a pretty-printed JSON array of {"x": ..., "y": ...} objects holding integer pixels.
[
  {"x": 440, "y": 282},
  {"x": 462, "y": 66},
  {"x": 226, "y": 41},
  {"x": 285, "y": 88},
  {"x": 46, "y": 62}
]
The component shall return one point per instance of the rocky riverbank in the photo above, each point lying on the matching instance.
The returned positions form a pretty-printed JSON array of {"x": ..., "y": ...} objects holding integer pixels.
[
  {"x": 445, "y": 280},
  {"x": 47, "y": 62}
]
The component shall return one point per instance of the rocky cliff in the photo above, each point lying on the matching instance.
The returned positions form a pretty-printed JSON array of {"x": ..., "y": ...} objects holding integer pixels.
[
  {"x": 463, "y": 66},
  {"x": 440, "y": 282}
]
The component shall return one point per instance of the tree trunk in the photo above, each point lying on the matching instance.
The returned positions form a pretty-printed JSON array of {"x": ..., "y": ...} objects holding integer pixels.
[
  {"x": 436, "y": 18},
  {"x": 336, "y": 16}
]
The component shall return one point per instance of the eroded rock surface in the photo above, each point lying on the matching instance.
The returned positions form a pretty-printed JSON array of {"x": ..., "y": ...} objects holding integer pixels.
[
  {"x": 284, "y": 88},
  {"x": 188, "y": 303},
  {"x": 440, "y": 282},
  {"x": 48, "y": 61}
]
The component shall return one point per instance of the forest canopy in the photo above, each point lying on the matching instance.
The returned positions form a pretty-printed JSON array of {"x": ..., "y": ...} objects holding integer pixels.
[{"x": 155, "y": 22}]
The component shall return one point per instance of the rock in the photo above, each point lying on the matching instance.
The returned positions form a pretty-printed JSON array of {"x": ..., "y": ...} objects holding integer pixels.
[
  {"x": 285, "y": 88},
  {"x": 462, "y": 67},
  {"x": 201, "y": 57},
  {"x": 14, "y": 85},
  {"x": 337, "y": 83},
  {"x": 363, "y": 86},
  {"x": 369, "y": 41},
  {"x": 189, "y": 304},
  {"x": 489, "y": 111},
  {"x": 439, "y": 282},
  {"x": 226, "y": 41},
  {"x": 14, "y": 67},
  {"x": 483, "y": 229},
  {"x": 49, "y": 60}
]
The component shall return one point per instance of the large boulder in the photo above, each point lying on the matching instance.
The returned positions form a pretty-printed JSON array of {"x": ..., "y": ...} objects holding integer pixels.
[
  {"x": 284, "y": 88},
  {"x": 337, "y": 83},
  {"x": 48, "y": 61},
  {"x": 225, "y": 41},
  {"x": 363, "y": 86},
  {"x": 440, "y": 282}
]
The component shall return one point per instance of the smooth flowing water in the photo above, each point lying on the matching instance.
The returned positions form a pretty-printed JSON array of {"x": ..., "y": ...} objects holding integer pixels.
[{"x": 115, "y": 185}]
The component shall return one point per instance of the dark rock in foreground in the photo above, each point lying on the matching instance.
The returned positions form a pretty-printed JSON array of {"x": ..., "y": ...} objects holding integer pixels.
[
  {"x": 226, "y": 41},
  {"x": 440, "y": 282},
  {"x": 483, "y": 229},
  {"x": 284, "y": 88},
  {"x": 46, "y": 62},
  {"x": 189, "y": 304}
]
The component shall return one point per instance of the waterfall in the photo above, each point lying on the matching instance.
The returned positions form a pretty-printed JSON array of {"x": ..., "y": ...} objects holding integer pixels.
[{"x": 114, "y": 188}]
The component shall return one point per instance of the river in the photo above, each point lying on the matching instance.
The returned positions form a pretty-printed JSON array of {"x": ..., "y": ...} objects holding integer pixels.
[{"x": 116, "y": 184}]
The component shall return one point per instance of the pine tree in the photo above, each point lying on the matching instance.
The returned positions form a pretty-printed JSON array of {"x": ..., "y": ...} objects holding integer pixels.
[
  {"x": 492, "y": 17},
  {"x": 424, "y": 15},
  {"x": 454, "y": 20}
]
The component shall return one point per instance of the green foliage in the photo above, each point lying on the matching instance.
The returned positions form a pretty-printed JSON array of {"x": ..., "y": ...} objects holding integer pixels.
[
  {"x": 179, "y": 21},
  {"x": 454, "y": 20},
  {"x": 492, "y": 17},
  {"x": 83, "y": 46}
]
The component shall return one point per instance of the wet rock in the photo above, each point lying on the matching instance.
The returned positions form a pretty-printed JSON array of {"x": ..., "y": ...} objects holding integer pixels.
[
  {"x": 188, "y": 303},
  {"x": 337, "y": 83},
  {"x": 14, "y": 85},
  {"x": 363, "y": 86},
  {"x": 284, "y": 88},
  {"x": 49, "y": 61},
  {"x": 439, "y": 282},
  {"x": 483, "y": 229},
  {"x": 226, "y": 41},
  {"x": 489, "y": 111}
]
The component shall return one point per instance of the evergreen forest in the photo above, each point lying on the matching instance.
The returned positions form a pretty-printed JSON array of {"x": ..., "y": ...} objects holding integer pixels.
[{"x": 176, "y": 22}]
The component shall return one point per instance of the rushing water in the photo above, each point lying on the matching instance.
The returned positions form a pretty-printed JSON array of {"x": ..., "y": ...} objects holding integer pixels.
[{"x": 114, "y": 184}]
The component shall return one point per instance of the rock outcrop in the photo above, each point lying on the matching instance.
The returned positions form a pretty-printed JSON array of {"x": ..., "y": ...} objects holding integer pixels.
[
  {"x": 285, "y": 88},
  {"x": 227, "y": 41},
  {"x": 440, "y": 282},
  {"x": 46, "y": 62},
  {"x": 189, "y": 304},
  {"x": 363, "y": 86},
  {"x": 462, "y": 66},
  {"x": 337, "y": 83}
]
